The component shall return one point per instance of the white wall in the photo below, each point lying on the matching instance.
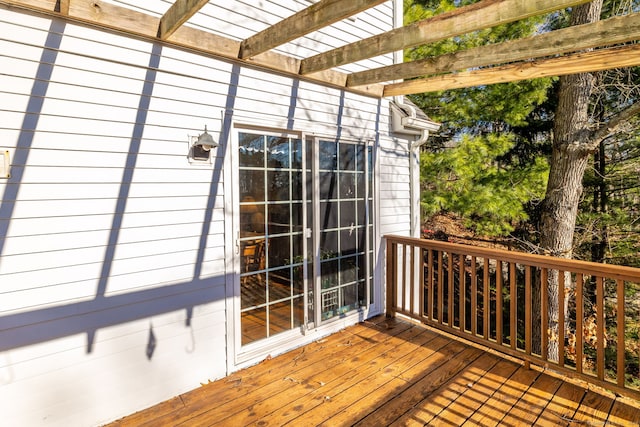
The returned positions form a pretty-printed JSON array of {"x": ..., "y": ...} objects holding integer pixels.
[{"x": 112, "y": 245}]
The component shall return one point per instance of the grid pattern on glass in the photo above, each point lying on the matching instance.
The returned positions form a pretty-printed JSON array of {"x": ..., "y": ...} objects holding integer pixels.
[
  {"x": 345, "y": 183},
  {"x": 271, "y": 233}
]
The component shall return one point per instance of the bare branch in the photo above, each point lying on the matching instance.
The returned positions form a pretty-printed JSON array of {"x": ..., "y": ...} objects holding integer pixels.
[{"x": 615, "y": 124}]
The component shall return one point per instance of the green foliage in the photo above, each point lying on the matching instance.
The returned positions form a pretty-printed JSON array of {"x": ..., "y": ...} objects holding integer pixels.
[
  {"x": 496, "y": 169},
  {"x": 609, "y": 215},
  {"x": 469, "y": 181}
]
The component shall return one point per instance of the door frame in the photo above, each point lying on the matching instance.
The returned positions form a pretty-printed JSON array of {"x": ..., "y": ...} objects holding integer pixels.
[{"x": 239, "y": 356}]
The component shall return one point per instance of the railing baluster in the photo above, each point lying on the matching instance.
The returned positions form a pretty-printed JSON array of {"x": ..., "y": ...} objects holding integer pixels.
[
  {"x": 579, "y": 322},
  {"x": 499, "y": 307},
  {"x": 561, "y": 298},
  {"x": 486, "y": 309},
  {"x": 412, "y": 280},
  {"x": 544, "y": 312},
  {"x": 600, "y": 326},
  {"x": 440, "y": 288},
  {"x": 474, "y": 296},
  {"x": 430, "y": 302},
  {"x": 421, "y": 295},
  {"x": 450, "y": 296},
  {"x": 462, "y": 293},
  {"x": 620, "y": 371},
  {"x": 527, "y": 309},
  {"x": 402, "y": 300},
  {"x": 513, "y": 305}
]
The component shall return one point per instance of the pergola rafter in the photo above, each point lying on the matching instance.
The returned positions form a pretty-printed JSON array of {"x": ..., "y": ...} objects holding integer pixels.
[
  {"x": 315, "y": 17},
  {"x": 477, "y": 16},
  {"x": 178, "y": 14},
  {"x": 620, "y": 29},
  {"x": 553, "y": 53},
  {"x": 596, "y": 60}
]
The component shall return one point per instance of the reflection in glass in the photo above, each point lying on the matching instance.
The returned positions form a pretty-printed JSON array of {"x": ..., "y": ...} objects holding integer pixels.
[
  {"x": 297, "y": 216},
  {"x": 328, "y": 185},
  {"x": 278, "y": 185},
  {"x": 327, "y": 155},
  {"x": 328, "y": 215},
  {"x": 279, "y": 284},
  {"x": 279, "y": 251},
  {"x": 279, "y": 317},
  {"x": 347, "y": 213},
  {"x": 347, "y": 157},
  {"x": 296, "y": 154},
  {"x": 251, "y": 150},
  {"x": 254, "y": 290},
  {"x": 278, "y": 150},
  {"x": 328, "y": 244},
  {"x": 347, "y": 185},
  {"x": 348, "y": 241},
  {"x": 254, "y": 325},
  {"x": 329, "y": 272},
  {"x": 252, "y": 184},
  {"x": 296, "y": 186},
  {"x": 279, "y": 217},
  {"x": 348, "y": 269}
]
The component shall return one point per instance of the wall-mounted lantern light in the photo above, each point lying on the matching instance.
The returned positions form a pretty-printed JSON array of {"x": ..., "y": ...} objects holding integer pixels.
[{"x": 201, "y": 146}]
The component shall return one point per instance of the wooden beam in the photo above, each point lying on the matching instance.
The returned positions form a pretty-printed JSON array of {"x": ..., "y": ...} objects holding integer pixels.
[
  {"x": 178, "y": 14},
  {"x": 478, "y": 16},
  {"x": 316, "y": 16},
  {"x": 597, "y": 60},
  {"x": 63, "y": 6},
  {"x": 48, "y": 5},
  {"x": 619, "y": 29},
  {"x": 126, "y": 21}
]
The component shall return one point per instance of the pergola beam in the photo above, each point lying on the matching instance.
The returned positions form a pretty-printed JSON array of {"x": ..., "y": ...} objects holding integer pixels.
[
  {"x": 616, "y": 30},
  {"x": 597, "y": 60},
  {"x": 178, "y": 14},
  {"x": 63, "y": 6},
  {"x": 314, "y": 17},
  {"x": 478, "y": 16}
]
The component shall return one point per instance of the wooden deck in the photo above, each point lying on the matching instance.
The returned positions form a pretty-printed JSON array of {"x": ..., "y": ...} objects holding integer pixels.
[{"x": 389, "y": 372}]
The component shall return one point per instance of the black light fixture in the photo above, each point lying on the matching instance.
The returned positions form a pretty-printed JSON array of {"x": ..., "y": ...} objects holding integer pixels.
[{"x": 201, "y": 148}]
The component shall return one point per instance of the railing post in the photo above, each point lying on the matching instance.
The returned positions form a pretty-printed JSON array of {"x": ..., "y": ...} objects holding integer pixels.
[{"x": 391, "y": 278}]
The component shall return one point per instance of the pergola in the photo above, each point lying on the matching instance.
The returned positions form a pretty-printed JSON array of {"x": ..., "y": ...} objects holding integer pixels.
[{"x": 576, "y": 49}]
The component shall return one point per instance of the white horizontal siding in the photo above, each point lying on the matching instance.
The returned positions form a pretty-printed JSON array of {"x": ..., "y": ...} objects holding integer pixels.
[
  {"x": 97, "y": 391},
  {"x": 100, "y": 156},
  {"x": 395, "y": 188}
]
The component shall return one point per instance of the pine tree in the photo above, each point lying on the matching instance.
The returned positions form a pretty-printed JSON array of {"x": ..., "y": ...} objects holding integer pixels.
[{"x": 495, "y": 172}]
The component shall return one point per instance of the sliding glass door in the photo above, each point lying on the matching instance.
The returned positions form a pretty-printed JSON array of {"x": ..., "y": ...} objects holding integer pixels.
[{"x": 305, "y": 229}]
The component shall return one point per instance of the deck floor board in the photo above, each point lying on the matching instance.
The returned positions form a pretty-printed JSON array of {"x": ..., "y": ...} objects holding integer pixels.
[{"x": 389, "y": 372}]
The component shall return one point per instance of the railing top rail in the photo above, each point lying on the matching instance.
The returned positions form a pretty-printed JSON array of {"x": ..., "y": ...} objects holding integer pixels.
[{"x": 545, "y": 261}]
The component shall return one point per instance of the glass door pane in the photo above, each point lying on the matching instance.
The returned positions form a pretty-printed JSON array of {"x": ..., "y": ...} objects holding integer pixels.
[
  {"x": 345, "y": 227},
  {"x": 272, "y": 221}
]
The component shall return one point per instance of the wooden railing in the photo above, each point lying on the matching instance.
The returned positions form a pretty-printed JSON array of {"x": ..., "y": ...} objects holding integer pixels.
[{"x": 578, "y": 318}]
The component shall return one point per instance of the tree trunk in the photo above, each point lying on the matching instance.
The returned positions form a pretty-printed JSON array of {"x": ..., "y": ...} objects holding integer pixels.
[
  {"x": 569, "y": 159},
  {"x": 600, "y": 205}
]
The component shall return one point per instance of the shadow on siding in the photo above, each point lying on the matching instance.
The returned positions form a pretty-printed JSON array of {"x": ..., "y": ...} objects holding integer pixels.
[{"x": 46, "y": 324}]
